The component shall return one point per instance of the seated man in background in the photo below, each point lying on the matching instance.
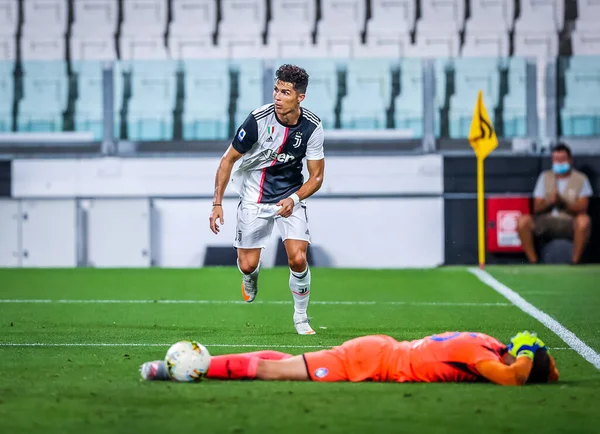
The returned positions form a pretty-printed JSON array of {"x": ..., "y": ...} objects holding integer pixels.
[{"x": 561, "y": 198}]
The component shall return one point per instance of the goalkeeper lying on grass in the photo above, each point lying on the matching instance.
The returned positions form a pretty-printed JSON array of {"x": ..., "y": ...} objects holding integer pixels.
[{"x": 448, "y": 357}]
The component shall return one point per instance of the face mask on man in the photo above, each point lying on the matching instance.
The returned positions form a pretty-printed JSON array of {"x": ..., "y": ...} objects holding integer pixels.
[{"x": 561, "y": 168}]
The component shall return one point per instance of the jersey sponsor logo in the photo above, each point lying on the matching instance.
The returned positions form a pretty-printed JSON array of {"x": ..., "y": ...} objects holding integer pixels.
[
  {"x": 282, "y": 158},
  {"x": 321, "y": 372},
  {"x": 241, "y": 135},
  {"x": 297, "y": 139}
]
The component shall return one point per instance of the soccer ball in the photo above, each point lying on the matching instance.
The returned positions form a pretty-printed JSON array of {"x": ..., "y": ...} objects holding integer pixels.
[{"x": 187, "y": 361}]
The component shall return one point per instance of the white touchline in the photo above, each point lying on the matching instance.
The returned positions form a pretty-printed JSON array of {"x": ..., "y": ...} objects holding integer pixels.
[
  {"x": 265, "y": 302},
  {"x": 100, "y": 344},
  {"x": 561, "y": 331}
]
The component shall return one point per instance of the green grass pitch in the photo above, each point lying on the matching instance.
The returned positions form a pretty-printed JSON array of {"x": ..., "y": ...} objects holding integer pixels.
[{"x": 97, "y": 389}]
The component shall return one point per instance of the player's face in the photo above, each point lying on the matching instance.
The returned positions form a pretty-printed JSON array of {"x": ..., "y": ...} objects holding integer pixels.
[{"x": 286, "y": 99}]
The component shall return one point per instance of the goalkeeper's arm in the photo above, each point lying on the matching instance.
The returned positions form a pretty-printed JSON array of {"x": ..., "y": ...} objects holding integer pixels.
[{"x": 506, "y": 375}]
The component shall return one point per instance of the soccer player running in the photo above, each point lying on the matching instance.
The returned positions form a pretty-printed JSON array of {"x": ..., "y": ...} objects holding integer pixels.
[
  {"x": 448, "y": 357},
  {"x": 271, "y": 143}
]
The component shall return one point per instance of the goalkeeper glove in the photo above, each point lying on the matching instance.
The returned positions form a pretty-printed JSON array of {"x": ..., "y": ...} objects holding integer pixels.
[{"x": 525, "y": 344}]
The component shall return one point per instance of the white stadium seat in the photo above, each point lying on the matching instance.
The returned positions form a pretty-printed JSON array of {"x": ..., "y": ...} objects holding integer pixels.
[
  {"x": 44, "y": 29},
  {"x": 142, "y": 30},
  {"x": 191, "y": 29},
  {"x": 338, "y": 40},
  {"x": 93, "y": 29}
]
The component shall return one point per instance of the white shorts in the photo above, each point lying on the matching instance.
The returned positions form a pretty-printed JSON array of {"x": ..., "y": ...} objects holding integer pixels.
[{"x": 255, "y": 224}]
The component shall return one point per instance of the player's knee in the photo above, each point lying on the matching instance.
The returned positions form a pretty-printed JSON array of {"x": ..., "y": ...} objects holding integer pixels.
[
  {"x": 297, "y": 260},
  {"x": 247, "y": 266},
  {"x": 525, "y": 223},
  {"x": 582, "y": 223}
]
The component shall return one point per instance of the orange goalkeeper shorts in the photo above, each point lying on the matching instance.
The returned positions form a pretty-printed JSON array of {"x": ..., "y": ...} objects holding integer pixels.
[{"x": 360, "y": 359}]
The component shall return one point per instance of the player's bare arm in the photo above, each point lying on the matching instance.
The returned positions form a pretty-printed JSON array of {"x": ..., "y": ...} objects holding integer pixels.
[
  {"x": 316, "y": 171},
  {"x": 506, "y": 375},
  {"x": 221, "y": 181}
]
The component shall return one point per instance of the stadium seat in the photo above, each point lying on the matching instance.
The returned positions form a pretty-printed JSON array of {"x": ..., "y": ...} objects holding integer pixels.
[
  {"x": 588, "y": 10},
  {"x": 482, "y": 44},
  {"x": 493, "y": 16},
  {"x": 291, "y": 26},
  {"x": 8, "y": 47},
  {"x": 515, "y": 110},
  {"x": 470, "y": 76},
  {"x": 6, "y": 95},
  {"x": 207, "y": 100},
  {"x": 338, "y": 40},
  {"x": 433, "y": 43},
  {"x": 388, "y": 29},
  {"x": 581, "y": 112},
  {"x": 322, "y": 92},
  {"x": 8, "y": 29},
  {"x": 442, "y": 15},
  {"x": 89, "y": 105},
  {"x": 542, "y": 45},
  {"x": 585, "y": 39},
  {"x": 93, "y": 29},
  {"x": 241, "y": 28},
  {"x": 540, "y": 16},
  {"x": 45, "y": 17},
  {"x": 408, "y": 105},
  {"x": 9, "y": 17},
  {"x": 250, "y": 87},
  {"x": 142, "y": 30},
  {"x": 45, "y": 92},
  {"x": 150, "y": 108},
  {"x": 191, "y": 29},
  {"x": 387, "y": 14},
  {"x": 369, "y": 90},
  {"x": 44, "y": 29}
]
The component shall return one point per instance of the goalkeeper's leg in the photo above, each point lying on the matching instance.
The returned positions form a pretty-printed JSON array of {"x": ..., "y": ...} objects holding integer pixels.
[{"x": 225, "y": 367}]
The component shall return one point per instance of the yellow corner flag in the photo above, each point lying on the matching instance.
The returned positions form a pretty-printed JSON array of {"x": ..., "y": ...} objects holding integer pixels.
[{"x": 482, "y": 138}]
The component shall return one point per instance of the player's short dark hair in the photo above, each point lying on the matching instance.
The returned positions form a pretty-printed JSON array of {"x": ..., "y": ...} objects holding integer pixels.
[
  {"x": 295, "y": 75},
  {"x": 562, "y": 147},
  {"x": 541, "y": 367}
]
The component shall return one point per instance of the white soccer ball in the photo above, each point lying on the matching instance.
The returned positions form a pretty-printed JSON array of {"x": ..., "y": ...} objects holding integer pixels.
[{"x": 187, "y": 361}]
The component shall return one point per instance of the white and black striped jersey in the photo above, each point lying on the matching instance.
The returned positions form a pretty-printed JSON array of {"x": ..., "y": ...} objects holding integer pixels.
[{"x": 271, "y": 168}]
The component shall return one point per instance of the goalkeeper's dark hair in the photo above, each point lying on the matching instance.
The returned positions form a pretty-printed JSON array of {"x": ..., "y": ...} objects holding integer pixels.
[
  {"x": 295, "y": 75},
  {"x": 541, "y": 367}
]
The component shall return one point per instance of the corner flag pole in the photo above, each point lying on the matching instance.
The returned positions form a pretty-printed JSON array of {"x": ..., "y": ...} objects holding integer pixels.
[
  {"x": 482, "y": 138},
  {"x": 480, "y": 212}
]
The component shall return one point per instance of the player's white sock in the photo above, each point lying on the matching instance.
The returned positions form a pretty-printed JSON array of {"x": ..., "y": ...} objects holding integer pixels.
[
  {"x": 250, "y": 283},
  {"x": 300, "y": 287}
]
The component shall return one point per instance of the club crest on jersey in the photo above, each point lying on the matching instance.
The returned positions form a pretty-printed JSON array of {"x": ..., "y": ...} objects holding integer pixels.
[
  {"x": 241, "y": 135},
  {"x": 321, "y": 372},
  {"x": 297, "y": 139}
]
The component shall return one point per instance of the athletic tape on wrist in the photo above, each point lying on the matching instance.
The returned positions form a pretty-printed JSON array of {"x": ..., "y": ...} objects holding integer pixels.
[{"x": 295, "y": 198}]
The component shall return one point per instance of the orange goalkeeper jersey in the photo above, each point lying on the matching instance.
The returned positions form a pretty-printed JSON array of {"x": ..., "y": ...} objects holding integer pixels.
[{"x": 447, "y": 357}]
